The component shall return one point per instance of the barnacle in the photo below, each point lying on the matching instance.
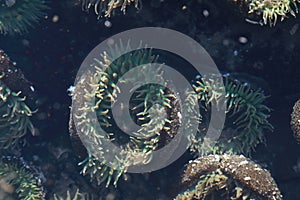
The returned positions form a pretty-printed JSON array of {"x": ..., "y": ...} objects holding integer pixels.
[
  {"x": 107, "y": 7},
  {"x": 271, "y": 10},
  {"x": 152, "y": 106},
  {"x": 77, "y": 196},
  {"x": 246, "y": 116},
  {"x": 14, "y": 111},
  {"x": 22, "y": 180},
  {"x": 295, "y": 120},
  {"x": 17, "y": 16},
  {"x": 227, "y": 177}
]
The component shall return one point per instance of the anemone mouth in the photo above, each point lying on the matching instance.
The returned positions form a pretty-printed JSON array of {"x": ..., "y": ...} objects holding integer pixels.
[{"x": 16, "y": 17}]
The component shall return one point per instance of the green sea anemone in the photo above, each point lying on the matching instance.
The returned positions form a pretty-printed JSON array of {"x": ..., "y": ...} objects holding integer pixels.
[
  {"x": 152, "y": 107},
  {"x": 273, "y": 9},
  {"x": 16, "y": 16},
  {"x": 14, "y": 112},
  {"x": 106, "y": 7},
  {"x": 270, "y": 10},
  {"x": 295, "y": 120},
  {"x": 227, "y": 177},
  {"x": 15, "y": 117},
  {"x": 246, "y": 117},
  {"x": 19, "y": 180}
]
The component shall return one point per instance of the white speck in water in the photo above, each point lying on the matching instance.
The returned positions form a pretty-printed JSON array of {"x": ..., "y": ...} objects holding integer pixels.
[
  {"x": 205, "y": 13},
  {"x": 32, "y": 88},
  {"x": 108, "y": 24},
  {"x": 243, "y": 40},
  {"x": 55, "y": 18},
  {"x": 235, "y": 52}
]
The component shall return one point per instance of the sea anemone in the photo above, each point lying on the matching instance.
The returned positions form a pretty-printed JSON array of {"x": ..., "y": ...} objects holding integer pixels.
[
  {"x": 227, "y": 177},
  {"x": 15, "y": 117},
  {"x": 156, "y": 122},
  {"x": 20, "y": 180},
  {"x": 107, "y": 7},
  {"x": 14, "y": 111},
  {"x": 295, "y": 120},
  {"x": 246, "y": 117},
  {"x": 270, "y": 10},
  {"x": 16, "y": 16},
  {"x": 76, "y": 196},
  {"x": 273, "y": 9}
]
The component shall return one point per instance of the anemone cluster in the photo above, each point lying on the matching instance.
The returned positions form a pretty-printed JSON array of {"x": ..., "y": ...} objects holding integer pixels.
[
  {"x": 295, "y": 120},
  {"x": 245, "y": 125},
  {"x": 18, "y": 180},
  {"x": 265, "y": 11},
  {"x": 219, "y": 171},
  {"x": 227, "y": 177}
]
